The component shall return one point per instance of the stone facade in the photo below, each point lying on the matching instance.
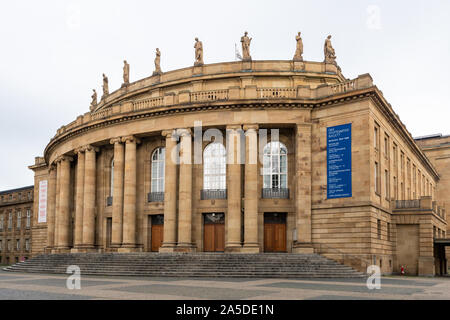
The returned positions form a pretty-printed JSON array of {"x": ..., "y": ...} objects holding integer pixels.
[
  {"x": 103, "y": 192},
  {"x": 16, "y": 214}
]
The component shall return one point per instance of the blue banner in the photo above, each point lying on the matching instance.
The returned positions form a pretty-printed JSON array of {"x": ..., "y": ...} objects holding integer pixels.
[{"x": 339, "y": 161}]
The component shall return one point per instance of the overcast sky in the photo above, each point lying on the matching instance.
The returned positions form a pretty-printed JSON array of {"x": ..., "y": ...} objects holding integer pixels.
[{"x": 52, "y": 54}]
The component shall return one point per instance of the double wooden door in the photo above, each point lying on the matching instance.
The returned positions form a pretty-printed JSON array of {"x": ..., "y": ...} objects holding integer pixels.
[
  {"x": 214, "y": 232},
  {"x": 274, "y": 232},
  {"x": 157, "y": 232}
]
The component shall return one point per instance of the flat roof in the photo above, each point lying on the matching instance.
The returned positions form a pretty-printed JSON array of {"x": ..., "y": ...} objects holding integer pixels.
[{"x": 16, "y": 190}]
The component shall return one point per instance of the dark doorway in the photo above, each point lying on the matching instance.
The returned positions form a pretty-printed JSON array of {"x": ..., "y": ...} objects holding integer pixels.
[
  {"x": 275, "y": 232},
  {"x": 214, "y": 232},
  {"x": 157, "y": 232},
  {"x": 108, "y": 232}
]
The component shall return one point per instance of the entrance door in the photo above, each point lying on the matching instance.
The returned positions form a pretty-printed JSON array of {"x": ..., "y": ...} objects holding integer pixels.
[
  {"x": 214, "y": 232},
  {"x": 274, "y": 232},
  {"x": 157, "y": 232},
  {"x": 108, "y": 232}
]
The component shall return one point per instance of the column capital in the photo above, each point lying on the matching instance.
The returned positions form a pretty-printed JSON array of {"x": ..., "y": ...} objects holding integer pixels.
[
  {"x": 130, "y": 139},
  {"x": 51, "y": 168},
  {"x": 78, "y": 150},
  {"x": 115, "y": 140},
  {"x": 250, "y": 127},
  {"x": 64, "y": 158},
  {"x": 184, "y": 132},
  {"x": 168, "y": 133},
  {"x": 234, "y": 127},
  {"x": 90, "y": 148}
]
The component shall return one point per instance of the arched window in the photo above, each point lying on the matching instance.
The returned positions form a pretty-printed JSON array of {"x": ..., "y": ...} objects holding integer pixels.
[
  {"x": 275, "y": 166},
  {"x": 112, "y": 178},
  {"x": 158, "y": 161},
  {"x": 214, "y": 167}
]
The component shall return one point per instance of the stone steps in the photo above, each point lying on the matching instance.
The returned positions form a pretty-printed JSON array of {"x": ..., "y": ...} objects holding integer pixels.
[{"x": 264, "y": 265}]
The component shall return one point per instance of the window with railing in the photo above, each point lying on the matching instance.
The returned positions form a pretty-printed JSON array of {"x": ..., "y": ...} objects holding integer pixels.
[
  {"x": 157, "y": 175},
  {"x": 214, "y": 171},
  {"x": 19, "y": 219},
  {"x": 28, "y": 223},
  {"x": 275, "y": 170},
  {"x": 10, "y": 219}
]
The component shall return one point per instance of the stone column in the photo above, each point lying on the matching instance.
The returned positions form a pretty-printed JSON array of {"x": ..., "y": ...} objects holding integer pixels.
[
  {"x": 170, "y": 194},
  {"x": 185, "y": 193},
  {"x": 89, "y": 198},
  {"x": 129, "y": 196},
  {"x": 234, "y": 186},
  {"x": 303, "y": 189},
  {"x": 64, "y": 205},
  {"x": 78, "y": 234},
  {"x": 51, "y": 207},
  {"x": 58, "y": 185},
  {"x": 117, "y": 209},
  {"x": 251, "y": 244}
]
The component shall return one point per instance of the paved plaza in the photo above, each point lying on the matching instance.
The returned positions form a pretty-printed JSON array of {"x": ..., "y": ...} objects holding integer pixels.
[{"x": 15, "y": 286}]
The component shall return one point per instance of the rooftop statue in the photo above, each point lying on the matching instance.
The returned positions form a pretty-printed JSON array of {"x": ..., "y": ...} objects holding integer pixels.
[
  {"x": 157, "y": 62},
  {"x": 298, "y": 56},
  {"x": 94, "y": 100},
  {"x": 330, "y": 56},
  {"x": 246, "y": 47},
  {"x": 198, "y": 53},
  {"x": 105, "y": 87},
  {"x": 126, "y": 73}
]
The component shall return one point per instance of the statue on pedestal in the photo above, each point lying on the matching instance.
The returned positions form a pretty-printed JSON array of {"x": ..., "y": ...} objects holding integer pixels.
[
  {"x": 157, "y": 63},
  {"x": 246, "y": 47},
  {"x": 298, "y": 56},
  {"x": 105, "y": 87},
  {"x": 330, "y": 55},
  {"x": 198, "y": 53},
  {"x": 126, "y": 73},
  {"x": 94, "y": 100}
]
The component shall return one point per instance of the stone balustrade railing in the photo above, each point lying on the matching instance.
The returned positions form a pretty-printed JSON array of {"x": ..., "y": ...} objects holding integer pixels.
[
  {"x": 186, "y": 96},
  {"x": 424, "y": 203}
]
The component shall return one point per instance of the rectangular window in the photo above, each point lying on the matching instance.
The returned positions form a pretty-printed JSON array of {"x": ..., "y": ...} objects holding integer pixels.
[
  {"x": 1, "y": 245},
  {"x": 386, "y": 146},
  {"x": 377, "y": 189},
  {"x": 19, "y": 218},
  {"x": 395, "y": 189},
  {"x": 28, "y": 219},
  {"x": 389, "y": 232},
  {"x": 1, "y": 222},
  {"x": 386, "y": 182},
  {"x": 27, "y": 244},
  {"x": 375, "y": 136},
  {"x": 10, "y": 221},
  {"x": 18, "y": 245},
  {"x": 9, "y": 246},
  {"x": 379, "y": 228}
]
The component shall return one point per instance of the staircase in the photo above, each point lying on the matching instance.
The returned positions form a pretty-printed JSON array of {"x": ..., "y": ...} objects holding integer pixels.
[{"x": 264, "y": 265}]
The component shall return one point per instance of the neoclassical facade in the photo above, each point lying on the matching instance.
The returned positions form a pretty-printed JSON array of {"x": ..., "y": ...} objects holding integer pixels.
[{"x": 232, "y": 157}]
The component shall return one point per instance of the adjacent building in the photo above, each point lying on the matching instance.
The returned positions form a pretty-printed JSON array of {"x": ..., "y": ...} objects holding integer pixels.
[{"x": 16, "y": 213}]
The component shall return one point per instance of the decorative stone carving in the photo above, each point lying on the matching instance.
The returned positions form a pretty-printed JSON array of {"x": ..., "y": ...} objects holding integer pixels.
[
  {"x": 330, "y": 56},
  {"x": 94, "y": 100},
  {"x": 298, "y": 56},
  {"x": 198, "y": 53},
  {"x": 157, "y": 62},
  {"x": 126, "y": 73},
  {"x": 105, "y": 87},
  {"x": 245, "y": 40}
]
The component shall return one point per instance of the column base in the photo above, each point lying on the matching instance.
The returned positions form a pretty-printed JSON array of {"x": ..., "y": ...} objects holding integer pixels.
[
  {"x": 185, "y": 247},
  {"x": 129, "y": 250},
  {"x": 84, "y": 250},
  {"x": 426, "y": 266},
  {"x": 251, "y": 248},
  {"x": 61, "y": 250},
  {"x": 303, "y": 248},
  {"x": 233, "y": 247}
]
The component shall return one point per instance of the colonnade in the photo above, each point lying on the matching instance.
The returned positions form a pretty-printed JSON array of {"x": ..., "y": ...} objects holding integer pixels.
[{"x": 178, "y": 209}]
